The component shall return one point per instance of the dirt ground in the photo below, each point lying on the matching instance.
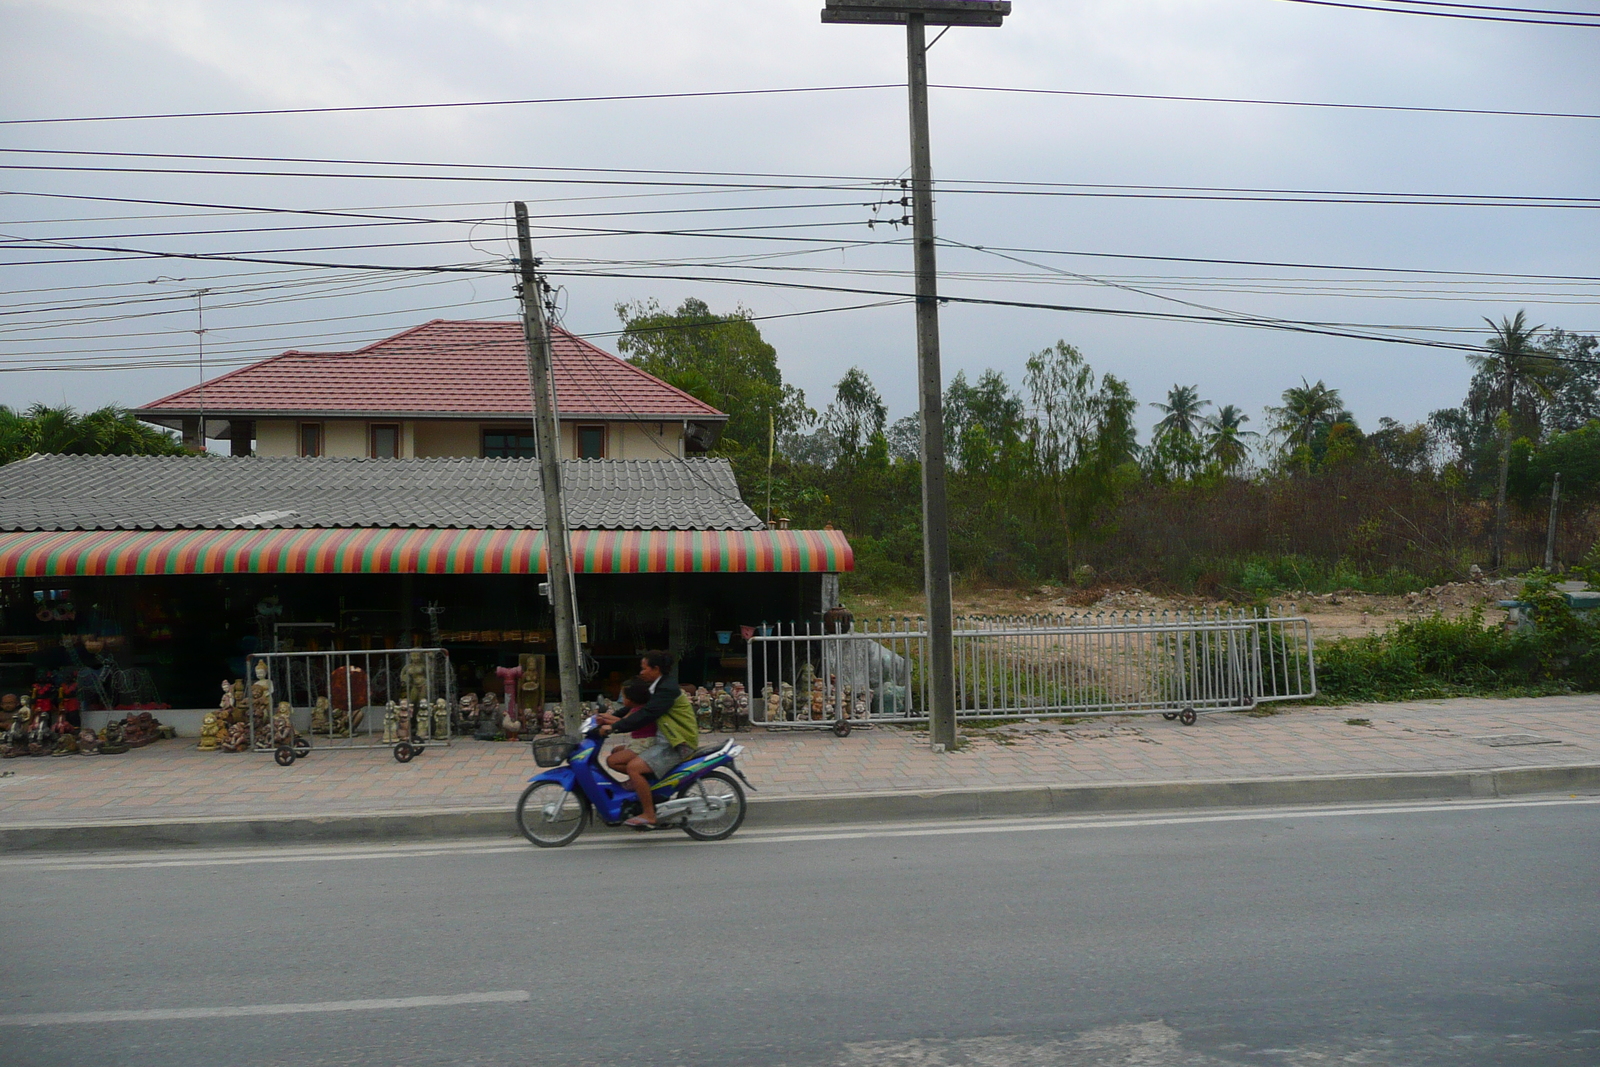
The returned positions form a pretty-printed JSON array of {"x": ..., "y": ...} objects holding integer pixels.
[{"x": 1341, "y": 614}]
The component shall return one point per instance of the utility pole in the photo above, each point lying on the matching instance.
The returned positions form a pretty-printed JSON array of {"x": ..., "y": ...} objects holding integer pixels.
[
  {"x": 547, "y": 436},
  {"x": 1550, "y": 537},
  {"x": 918, "y": 15}
]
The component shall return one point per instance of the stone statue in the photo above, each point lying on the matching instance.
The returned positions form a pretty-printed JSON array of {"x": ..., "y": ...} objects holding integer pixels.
[
  {"x": 808, "y": 675},
  {"x": 391, "y": 724},
  {"x": 774, "y": 704},
  {"x": 702, "y": 708},
  {"x": 88, "y": 742},
  {"x": 237, "y": 714},
  {"x": 741, "y": 707},
  {"x": 66, "y": 744},
  {"x": 467, "y": 712},
  {"x": 111, "y": 741},
  {"x": 319, "y": 716},
  {"x": 283, "y": 725},
  {"x": 238, "y": 738},
  {"x": 16, "y": 738},
  {"x": 509, "y": 723},
  {"x": 414, "y": 678},
  {"x": 228, "y": 702},
  {"x": 441, "y": 719},
  {"x": 509, "y": 676},
  {"x": 210, "y": 732},
  {"x": 786, "y": 698},
  {"x": 403, "y": 716},
  {"x": 818, "y": 702},
  {"x": 862, "y": 705},
  {"x": 9, "y": 703},
  {"x": 41, "y": 739}
]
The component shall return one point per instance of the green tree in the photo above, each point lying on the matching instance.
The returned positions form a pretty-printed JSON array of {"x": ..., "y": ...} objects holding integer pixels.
[
  {"x": 107, "y": 431},
  {"x": 1175, "y": 448},
  {"x": 1307, "y": 414},
  {"x": 1517, "y": 368},
  {"x": 722, "y": 360},
  {"x": 1225, "y": 440},
  {"x": 857, "y": 416}
]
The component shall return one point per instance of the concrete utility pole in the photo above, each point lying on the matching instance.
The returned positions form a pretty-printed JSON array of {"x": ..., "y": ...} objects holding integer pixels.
[
  {"x": 1550, "y": 537},
  {"x": 918, "y": 15},
  {"x": 547, "y": 435}
]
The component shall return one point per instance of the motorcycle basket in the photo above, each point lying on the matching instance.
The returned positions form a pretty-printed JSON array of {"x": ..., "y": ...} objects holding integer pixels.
[{"x": 552, "y": 751}]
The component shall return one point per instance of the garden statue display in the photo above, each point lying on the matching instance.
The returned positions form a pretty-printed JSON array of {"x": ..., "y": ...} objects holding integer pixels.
[
  {"x": 441, "y": 719},
  {"x": 88, "y": 742},
  {"x": 210, "y": 732}
]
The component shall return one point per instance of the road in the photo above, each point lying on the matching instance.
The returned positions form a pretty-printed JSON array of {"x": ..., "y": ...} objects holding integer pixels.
[{"x": 1461, "y": 933}]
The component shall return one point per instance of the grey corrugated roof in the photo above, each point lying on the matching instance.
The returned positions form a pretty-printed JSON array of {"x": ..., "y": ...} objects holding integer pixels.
[{"x": 217, "y": 492}]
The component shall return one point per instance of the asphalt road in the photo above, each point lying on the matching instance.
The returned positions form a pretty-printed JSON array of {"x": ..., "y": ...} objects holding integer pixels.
[{"x": 1445, "y": 934}]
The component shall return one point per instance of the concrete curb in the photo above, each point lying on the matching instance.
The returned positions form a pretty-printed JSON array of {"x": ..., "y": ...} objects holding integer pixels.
[{"x": 833, "y": 809}]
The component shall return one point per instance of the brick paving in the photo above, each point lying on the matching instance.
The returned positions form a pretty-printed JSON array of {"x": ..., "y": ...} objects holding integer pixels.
[{"x": 172, "y": 779}]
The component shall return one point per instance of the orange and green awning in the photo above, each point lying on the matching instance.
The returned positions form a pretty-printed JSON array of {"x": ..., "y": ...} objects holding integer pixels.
[{"x": 95, "y": 553}]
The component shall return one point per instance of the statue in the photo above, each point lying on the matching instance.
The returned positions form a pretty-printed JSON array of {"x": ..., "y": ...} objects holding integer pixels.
[
  {"x": 228, "y": 702},
  {"x": 509, "y": 723},
  {"x": 786, "y": 698},
  {"x": 551, "y": 721},
  {"x": 467, "y": 712},
  {"x": 391, "y": 724},
  {"x": 283, "y": 726},
  {"x": 16, "y": 738},
  {"x": 414, "y": 678},
  {"x": 808, "y": 676},
  {"x": 319, "y": 716},
  {"x": 774, "y": 704},
  {"x": 862, "y": 705},
  {"x": 66, "y": 744},
  {"x": 403, "y": 716},
  {"x": 238, "y": 738},
  {"x": 261, "y": 706},
  {"x": 210, "y": 731},
  {"x": 41, "y": 739},
  {"x": 88, "y": 742},
  {"x": 111, "y": 739},
  {"x": 509, "y": 676},
  {"x": 9, "y": 703},
  {"x": 741, "y": 707},
  {"x": 441, "y": 719},
  {"x": 237, "y": 715},
  {"x": 723, "y": 709},
  {"x": 702, "y": 708},
  {"x": 818, "y": 702}
]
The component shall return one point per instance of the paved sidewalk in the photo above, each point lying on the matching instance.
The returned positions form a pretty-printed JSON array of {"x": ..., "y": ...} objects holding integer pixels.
[{"x": 171, "y": 780}]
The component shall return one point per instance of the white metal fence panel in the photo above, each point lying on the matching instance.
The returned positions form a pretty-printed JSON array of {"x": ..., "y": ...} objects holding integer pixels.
[{"x": 1029, "y": 666}]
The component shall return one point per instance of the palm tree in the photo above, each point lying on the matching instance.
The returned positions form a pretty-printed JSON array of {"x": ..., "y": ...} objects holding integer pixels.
[
  {"x": 1181, "y": 416},
  {"x": 107, "y": 431},
  {"x": 1519, "y": 369},
  {"x": 1225, "y": 443},
  {"x": 1306, "y": 410}
]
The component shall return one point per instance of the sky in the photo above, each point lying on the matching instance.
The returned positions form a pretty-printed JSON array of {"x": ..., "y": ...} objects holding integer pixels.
[{"x": 782, "y": 228}]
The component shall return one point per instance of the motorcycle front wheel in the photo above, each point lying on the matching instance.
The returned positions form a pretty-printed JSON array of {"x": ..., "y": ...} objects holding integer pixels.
[
  {"x": 549, "y": 816},
  {"x": 723, "y": 787}
]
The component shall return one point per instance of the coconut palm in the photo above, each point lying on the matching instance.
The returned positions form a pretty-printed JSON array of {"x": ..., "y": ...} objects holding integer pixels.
[
  {"x": 107, "y": 431},
  {"x": 1307, "y": 410},
  {"x": 1520, "y": 370},
  {"x": 1225, "y": 440},
  {"x": 1181, "y": 413}
]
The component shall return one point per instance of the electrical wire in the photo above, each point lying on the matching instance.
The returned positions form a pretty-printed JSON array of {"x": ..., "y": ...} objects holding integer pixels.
[{"x": 1578, "y": 15}]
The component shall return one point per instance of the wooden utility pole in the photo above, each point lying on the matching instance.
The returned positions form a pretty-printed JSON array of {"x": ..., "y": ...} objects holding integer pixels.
[{"x": 547, "y": 437}]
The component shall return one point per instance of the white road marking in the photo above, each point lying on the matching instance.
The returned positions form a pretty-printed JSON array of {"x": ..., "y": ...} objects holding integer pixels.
[
  {"x": 229, "y": 1011},
  {"x": 1032, "y": 824}
]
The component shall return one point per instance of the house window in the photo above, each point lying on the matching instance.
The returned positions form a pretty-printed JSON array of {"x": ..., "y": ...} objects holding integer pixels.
[
  {"x": 592, "y": 442},
  {"x": 385, "y": 441},
  {"x": 509, "y": 444},
  {"x": 311, "y": 438}
]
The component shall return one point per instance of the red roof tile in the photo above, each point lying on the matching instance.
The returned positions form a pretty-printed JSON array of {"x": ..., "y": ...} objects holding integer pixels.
[{"x": 439, "y": 369}]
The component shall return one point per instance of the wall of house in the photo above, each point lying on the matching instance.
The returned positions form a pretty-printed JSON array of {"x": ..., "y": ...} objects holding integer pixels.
[{"x": 348, "y": 438}]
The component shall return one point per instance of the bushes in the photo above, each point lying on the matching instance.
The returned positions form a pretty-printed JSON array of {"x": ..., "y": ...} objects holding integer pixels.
[{"x": 1438, "y": 657}]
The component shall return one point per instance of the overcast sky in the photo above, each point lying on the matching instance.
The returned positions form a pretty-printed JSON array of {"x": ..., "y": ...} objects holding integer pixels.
[{"x": 81, "y": 58}]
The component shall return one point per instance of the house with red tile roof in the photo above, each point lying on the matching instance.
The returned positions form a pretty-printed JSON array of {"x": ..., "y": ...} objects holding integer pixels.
[{"x": 442, "y": 389}]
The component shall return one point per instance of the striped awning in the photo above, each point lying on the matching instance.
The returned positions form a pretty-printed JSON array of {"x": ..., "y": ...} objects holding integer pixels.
[{"x": 93, "y": 553}]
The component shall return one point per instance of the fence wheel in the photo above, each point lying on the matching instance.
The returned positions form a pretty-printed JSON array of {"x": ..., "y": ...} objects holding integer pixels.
[
  {"x": 1187, "y": 716},
  {"x": 403, "y": 752},
  {"x": 284, "y": 756},
  {"x": 841, "y": 728}
]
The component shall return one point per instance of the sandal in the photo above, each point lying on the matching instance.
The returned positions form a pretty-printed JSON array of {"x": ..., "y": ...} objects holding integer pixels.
[{"x": 639, "y": 822}]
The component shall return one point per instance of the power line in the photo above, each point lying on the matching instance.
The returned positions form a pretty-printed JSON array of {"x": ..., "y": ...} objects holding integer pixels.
[
  {"x": 1461, "y": 15},
  {"x": 820, "y": 89}
]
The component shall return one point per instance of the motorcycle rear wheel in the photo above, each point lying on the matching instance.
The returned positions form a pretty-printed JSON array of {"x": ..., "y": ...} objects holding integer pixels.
[
  {"x": 721, "y": 785},
  {"x": 570, "y": 817}
]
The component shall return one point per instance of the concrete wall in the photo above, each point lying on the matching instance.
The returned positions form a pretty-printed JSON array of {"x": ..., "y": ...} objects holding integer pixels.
[{"x": 349, "y": 438}]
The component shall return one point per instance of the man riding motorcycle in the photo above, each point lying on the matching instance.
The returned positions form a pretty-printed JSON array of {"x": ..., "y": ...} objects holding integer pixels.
[{"x": 676, "y": 738}]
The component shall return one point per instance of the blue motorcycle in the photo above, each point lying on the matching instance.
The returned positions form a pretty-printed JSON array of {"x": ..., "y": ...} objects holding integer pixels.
[{"x": 699, "y": 796}]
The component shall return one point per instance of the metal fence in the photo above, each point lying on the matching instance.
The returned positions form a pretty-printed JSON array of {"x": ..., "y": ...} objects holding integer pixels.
[
  {"x": 1027, "y": 666},
  {"x": 341, "y": 699}
]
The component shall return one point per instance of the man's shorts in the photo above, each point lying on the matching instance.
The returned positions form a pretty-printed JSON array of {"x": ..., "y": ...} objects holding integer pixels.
[{"x": 660, "y": 755}]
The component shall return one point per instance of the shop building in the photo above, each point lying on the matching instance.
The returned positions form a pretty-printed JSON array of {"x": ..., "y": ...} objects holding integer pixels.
[
  {"x": 442, "y": 389},
  {"x": 169, "y": 571}
]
